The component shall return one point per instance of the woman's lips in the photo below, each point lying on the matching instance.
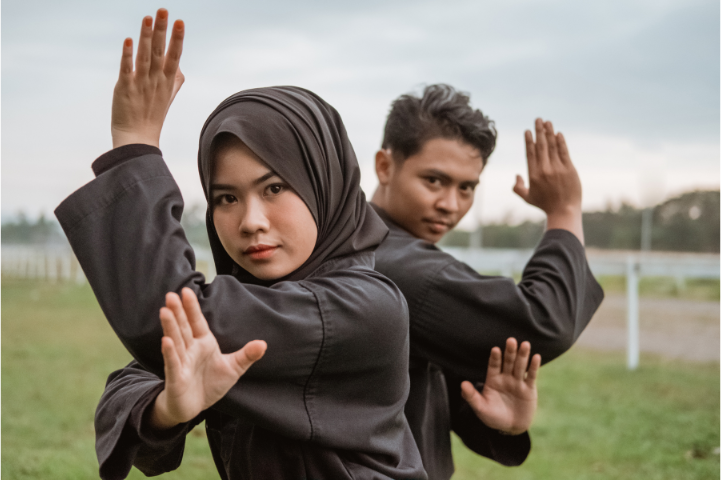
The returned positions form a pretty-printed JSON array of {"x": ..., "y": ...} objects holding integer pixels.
[{"x": 260, "y": 252}]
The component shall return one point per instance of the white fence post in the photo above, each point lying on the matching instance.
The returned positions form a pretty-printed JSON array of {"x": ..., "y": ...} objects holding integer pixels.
[{"x": 632, "y": 312}]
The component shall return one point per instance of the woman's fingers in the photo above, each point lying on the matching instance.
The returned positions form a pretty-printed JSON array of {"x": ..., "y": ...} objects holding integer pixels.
[
  {"x": 196, "y": 319},
  {"x": 248, "y": 355},
  {"x": 509, "y": 357},
  {"x": 175, "y": 49},
  {"x": 171, "y": 358},
  {"x": 126, "y": 61},
  {"x": 519, "y": 368},
  {"x": 142, "y": 57},
  {"x": 172, "y": 301},
  {"x": 533, "y": 370},
  {"x": 172, "y": 331},
  {"x": 158, "y": 40}
]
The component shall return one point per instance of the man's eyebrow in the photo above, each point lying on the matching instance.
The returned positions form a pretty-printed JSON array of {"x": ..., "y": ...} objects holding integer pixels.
[
  {"x": 438, "y": 173},
  {"x": 257, "y": 181}
]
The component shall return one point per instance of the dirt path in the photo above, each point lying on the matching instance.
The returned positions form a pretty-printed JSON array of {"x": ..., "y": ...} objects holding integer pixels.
[{"x": 683, "y": 329}]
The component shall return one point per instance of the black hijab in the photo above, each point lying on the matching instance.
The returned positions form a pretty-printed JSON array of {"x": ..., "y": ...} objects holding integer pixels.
[{"x": 304, "y": 141}]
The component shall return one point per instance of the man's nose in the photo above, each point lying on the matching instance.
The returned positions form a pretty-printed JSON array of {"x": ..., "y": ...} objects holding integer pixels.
[{"x": 448, "y": 202}]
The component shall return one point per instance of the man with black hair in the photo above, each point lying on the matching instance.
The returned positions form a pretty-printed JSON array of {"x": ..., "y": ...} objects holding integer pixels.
[{"x": 434, "y": 149}]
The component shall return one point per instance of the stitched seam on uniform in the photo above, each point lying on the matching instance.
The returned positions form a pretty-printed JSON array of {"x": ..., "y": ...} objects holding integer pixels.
[
  {"x": 315, "y": 365},
  {"x": 107, "y": 203},
  {"x": 427, "y": 287}
]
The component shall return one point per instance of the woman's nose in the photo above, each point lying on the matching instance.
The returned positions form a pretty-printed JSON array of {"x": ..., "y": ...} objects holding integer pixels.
[{"x": 254, "y": 219}]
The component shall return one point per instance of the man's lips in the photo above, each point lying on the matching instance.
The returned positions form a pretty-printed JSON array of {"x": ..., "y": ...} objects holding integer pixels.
[
  {"x": 260, "y": 252},
  {"x": 438, "y": 226}
]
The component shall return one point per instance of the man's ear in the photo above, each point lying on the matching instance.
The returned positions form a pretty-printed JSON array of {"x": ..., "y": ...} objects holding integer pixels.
[{"x": 385, "y": 166}]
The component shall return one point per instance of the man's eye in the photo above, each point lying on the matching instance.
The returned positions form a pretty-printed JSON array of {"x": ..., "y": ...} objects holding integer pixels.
[
  {"x": 433, "y": 180},
  {"x": 274, "y": 189}
]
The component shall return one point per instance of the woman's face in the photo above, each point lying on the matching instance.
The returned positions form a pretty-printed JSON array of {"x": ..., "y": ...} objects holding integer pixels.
[{"x": 263, "y": 224}]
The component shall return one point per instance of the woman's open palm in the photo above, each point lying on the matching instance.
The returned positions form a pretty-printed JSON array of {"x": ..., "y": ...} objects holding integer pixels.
[
  {"x": 197, "y": 373},
  {"x": 144, "y": 94},
  {"x": 509, "y": 397}
]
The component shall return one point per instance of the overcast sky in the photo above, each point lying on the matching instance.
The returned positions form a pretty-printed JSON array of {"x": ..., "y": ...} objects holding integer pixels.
[{"x": 634, "y": 85}]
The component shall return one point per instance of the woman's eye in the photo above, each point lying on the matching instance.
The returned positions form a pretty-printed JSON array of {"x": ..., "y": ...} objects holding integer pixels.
[
  {"x": 224, "y": 199},
  {"x": 274, "y": 189}
]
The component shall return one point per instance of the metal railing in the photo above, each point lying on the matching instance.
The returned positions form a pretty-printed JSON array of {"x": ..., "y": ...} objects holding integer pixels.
[
  {"x": 630, "y": 264},
  {"x": 58, "y": 263}
]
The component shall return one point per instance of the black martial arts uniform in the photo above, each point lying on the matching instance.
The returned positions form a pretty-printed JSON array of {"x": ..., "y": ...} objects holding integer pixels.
[
  {"x": 457, "y": 316},
  {"x": 326, "y": 401}
]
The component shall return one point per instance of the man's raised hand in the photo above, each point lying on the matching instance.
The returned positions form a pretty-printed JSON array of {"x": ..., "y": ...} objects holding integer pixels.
[
  {"x": 143, "y": 95},
  {"x": 553, "y": 182},
  {"x": 197, "y": 373},
  {"x": 509, "y": 398}
]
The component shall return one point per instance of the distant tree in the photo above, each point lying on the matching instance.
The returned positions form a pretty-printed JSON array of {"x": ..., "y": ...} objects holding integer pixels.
[{"x": 688, "y": 223}]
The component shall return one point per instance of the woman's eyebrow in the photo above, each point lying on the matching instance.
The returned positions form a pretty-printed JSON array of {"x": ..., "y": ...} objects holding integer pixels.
[
  {"x": 257, "y": 181},
  {"x": 265, "y": 177}
]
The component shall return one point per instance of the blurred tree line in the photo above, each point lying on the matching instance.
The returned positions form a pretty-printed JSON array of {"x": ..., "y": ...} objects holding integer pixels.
[{"x": 689, "y": 222}]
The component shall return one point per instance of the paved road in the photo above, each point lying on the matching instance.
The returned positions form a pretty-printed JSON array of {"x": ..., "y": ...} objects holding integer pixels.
[{"x": 683, "y": 329}]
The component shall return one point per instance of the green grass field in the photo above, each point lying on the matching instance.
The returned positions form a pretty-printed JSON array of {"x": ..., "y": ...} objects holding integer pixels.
[{"x": 595, "y": 420}]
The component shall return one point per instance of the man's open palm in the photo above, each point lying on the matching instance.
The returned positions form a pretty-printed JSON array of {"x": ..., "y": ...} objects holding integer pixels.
[{"x": 509, "y": 398}]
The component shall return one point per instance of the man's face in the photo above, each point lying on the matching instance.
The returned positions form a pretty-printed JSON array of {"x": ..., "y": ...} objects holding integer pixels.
[{"x": 431, "y": 191}]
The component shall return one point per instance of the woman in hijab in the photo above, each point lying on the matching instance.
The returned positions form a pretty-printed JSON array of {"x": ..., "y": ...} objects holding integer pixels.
[{"x": 293, "y": 243}]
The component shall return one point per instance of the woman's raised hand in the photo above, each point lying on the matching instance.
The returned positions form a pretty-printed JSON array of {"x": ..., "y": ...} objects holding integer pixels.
[
  {"x": 509, "y": 398},
  {"x": 197, "y": 373},
  {"x": 143, "y": 95}
]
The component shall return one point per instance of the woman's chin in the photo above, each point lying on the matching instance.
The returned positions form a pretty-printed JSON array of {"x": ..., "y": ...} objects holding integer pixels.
[{"x": 268, "y": 270}]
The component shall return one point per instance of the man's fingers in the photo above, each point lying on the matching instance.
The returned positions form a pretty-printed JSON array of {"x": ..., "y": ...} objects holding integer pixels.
[
  {"x": 551, "y": 141},
  {"x": 158, "y": 45},
  {"x": 519, "y": 368},
  {"x": 172, "y": 331},
  {"x": 541, "y": 145},
  {"x": 494, "y": 362},
  {"x": 533, "y": 370},
  {"x": 509, "y": 357},
  {"x": 142, "y": 57},
  {"x": 520, "y": 188},
  {"x": 171, "y": 359},
  {"x": 175, "y": 49},
  {"x": 531, "y": 158},
  {"x": 470, "y": 394},
  {"x": 196, "y": 319},
  {"x": 563, "y": 149},
  {"x": 172, "y": 301},
  {"x": 126, "y": 61},
  {"x": 249, "y": 354}
]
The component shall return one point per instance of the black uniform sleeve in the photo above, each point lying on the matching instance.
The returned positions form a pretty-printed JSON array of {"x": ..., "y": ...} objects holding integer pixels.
[
  {"x": 508, "y": 450},
  {"x": 123, "y": 439},
  {"x": 326, "y": 342},
  {"x": 457, "y": 315}
]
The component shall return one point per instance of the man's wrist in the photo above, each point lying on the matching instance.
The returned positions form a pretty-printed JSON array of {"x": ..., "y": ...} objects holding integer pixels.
[{"x": 570, "y": 218}]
